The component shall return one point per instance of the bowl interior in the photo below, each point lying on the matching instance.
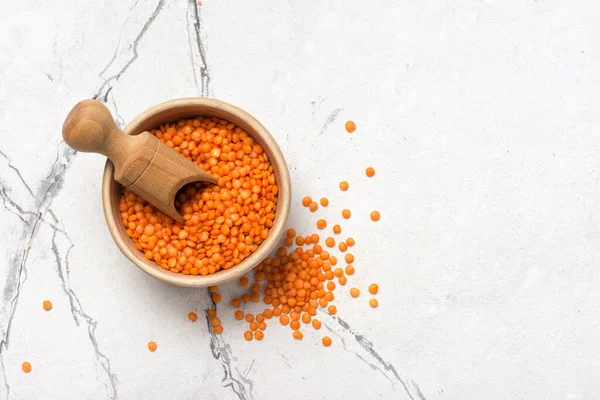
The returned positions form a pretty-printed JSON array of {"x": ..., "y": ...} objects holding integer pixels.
[{"x": 187, "y": 108}]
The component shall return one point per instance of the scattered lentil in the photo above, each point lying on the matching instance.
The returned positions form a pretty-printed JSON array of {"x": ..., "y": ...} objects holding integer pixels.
[
  {"x": 350, "y": 126},
  {"x": 373, "y": 303},
  {"x": 326, "y": 341},
  {"x": 346, "y": 213},
  {"x": 324, "y": 201},
  {"x": 152, "y": 346},
  {"x": 373, "y": 288},
  {"x": 344, "y": 186},
  {"x": 375, "y": 215},
  {"x": 192, "y": 316},
  {"x": 47, "y": 304},
  {"x": 26, "y": 367},
  {"x": 370, "y": 172},
  {"x": 354, "y": 292}
]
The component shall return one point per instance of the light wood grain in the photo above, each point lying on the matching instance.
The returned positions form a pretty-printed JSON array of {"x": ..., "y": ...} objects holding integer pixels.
[
  {"x": 142, "y": 163},
  {"x": 192, "y": 107}
]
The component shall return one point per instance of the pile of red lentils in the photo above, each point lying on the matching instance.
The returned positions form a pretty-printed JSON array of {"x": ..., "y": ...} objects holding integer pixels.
[
  {"x": 224, "y": 223},
  {"x": 299, "y": 279}
]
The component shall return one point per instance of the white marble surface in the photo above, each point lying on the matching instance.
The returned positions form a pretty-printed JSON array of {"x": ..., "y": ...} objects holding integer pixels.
[{"x": 480, "y": 117}]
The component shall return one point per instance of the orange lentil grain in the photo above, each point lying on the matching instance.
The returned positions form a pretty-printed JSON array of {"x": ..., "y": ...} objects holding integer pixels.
[
  {"x": 306, "y": 201},
  {"x": 306, "y": 318},
  {"x": 373, "y": 288},
  {"x": 248, "y": 335},
  {"x": 337, "y": 229},
  {"x": 193, "y": 316},
  {"x": 313, "y": 206},
  {"x": 354, "y": 292},
  {"x": 349, "y": 258},
  {"x": 284, "y": 319},
  {"x": 47, "y": 304},
  {"x": 295, "y": 325},
  {"x": 26, "y": 367},
  {"x": 350, "y": 242},
  {"x": 326, "y": 341},
  {"x": 297, "y": 335},
  {"x": 330, "y": 242},
  {"x": 244, "y": 281},
  {"x": 211, "y": 313},
  {"x": 375, "y": 215},
  {"x": 259, "y": 335},
  {"x": 262, "y": 326},
  {"x": 344, "y": 186},
  {"x": 349, "y": 270},
  {"x": 253, "y": 326},
  {"x": 316, "y": 324},
  {"x": 239, "y": 315},
  {"x": 332, "y": 310},
  {"x": 342, "y": 280},
  {"x": 290, "y": 233},
  {"x": 249, "y": 317},
  {"x": 236, "y": 302},
  {"x": 343, "y": 246},
  {"x": 152, "y": 346},
  {"x": 218, "y": 329},
  {"x": 350, "y": 126},
  {"x": 346, "y": 213},
  {"x": 370, "y": 172},
  {"x": 373, "y": 303},
  {"x": 215, "y": 321},
  {"x": 213, "y": 289},
  {"x": 216, "y": 297},
  {"x": 324, "y": 201},
  {"x": 321, "y": 224}
]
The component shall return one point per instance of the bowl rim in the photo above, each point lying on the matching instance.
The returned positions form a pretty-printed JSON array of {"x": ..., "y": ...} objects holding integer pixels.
[{"x": 254, "y": 128}]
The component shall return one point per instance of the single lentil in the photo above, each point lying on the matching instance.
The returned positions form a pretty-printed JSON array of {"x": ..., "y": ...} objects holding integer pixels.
[
  {"x": 350, "y": 126},
  {"x": 375, "y": 215}
]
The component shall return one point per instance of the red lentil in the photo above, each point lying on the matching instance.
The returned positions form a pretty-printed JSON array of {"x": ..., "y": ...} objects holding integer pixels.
[
  {"x": 26, "y": 367},
  {"x": 350, "y": 126}
]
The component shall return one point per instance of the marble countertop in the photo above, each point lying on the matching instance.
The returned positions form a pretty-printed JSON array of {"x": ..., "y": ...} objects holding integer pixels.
[{"x": 480, "y": 118}]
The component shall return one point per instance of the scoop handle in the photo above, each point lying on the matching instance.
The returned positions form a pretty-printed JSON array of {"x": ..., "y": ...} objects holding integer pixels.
[{"x": 90, "y": 128}]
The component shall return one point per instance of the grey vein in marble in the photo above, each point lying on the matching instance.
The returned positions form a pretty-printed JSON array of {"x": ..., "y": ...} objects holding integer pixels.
[
  {"x": 197, "y": 51},
  {"x": 221, "y": 351},
  {"x": 77, "y": 311},
  {"x": 367, "y": 346}
]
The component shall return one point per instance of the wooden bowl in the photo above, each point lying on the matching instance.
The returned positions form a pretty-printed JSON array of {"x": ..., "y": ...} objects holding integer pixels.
[{"x": 187, "y": 108}]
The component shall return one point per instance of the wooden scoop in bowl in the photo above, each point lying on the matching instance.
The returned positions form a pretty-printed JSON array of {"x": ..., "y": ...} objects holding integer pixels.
[{"x": 143, "y": 164}]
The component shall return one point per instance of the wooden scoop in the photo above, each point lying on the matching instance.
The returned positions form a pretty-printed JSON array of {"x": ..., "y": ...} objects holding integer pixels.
[{"x": 143, "y": 164}]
